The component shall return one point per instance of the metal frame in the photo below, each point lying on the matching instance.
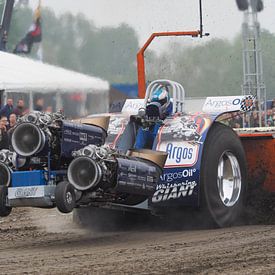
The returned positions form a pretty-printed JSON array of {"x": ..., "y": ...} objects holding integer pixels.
[
  {"x": 178, "y": 93},
  {"x": 140, "y": 54},
  {"x": 253, "y": 81}
]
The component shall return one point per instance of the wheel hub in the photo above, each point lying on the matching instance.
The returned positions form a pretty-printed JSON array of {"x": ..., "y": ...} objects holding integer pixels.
[
  {"x": 69, "y": 197},
  {"x": 229, "y": 179}
]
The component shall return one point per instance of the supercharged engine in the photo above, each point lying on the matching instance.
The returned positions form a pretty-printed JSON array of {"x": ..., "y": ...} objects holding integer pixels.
[
  {"x": 103, "y": 174},
  {"x": 48, "y": 138}
]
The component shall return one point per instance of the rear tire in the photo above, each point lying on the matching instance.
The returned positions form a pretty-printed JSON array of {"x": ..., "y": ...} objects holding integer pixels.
[
  {"x": 4, "y": 209},
  {"x": 223, "y": 176},
  {"x": 65, "y": 197}
]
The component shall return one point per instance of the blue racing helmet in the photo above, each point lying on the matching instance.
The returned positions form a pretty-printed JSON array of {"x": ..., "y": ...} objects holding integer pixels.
[{"x": 161, "y": 96}]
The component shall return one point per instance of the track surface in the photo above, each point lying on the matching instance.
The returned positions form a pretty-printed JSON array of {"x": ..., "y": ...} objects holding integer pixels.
[{"x": 45, "y": 242}]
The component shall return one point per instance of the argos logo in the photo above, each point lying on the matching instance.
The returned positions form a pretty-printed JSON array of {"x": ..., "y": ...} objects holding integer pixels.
[
  {"x": 179, "y": 153},
  {"x": 222, "y": 104}
]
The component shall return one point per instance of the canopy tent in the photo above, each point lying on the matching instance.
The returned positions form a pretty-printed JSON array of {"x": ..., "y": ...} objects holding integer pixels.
[{"x": 24, "y": 75}]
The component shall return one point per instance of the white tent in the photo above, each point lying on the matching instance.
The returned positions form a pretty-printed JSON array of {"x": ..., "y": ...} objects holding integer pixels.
[
  {"x": 24, "y": 73},
  {"x": 21, "y": 74}
]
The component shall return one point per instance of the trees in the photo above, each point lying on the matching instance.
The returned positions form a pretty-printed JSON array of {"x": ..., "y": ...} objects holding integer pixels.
[
  {"x": 213, "y": 68},
  {"x": 74, "y": 42}
]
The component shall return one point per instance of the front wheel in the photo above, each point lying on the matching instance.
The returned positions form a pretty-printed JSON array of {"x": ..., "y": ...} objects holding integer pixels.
[
  {"x": 4, "y": 209},
  {"x": 65, "y": 197},
  {"x": 223, "y": 176}
]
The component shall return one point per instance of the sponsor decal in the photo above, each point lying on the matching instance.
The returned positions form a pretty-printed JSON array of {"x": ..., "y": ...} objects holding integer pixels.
[
  {"x": 173, "y": 176},
  {"x": 115, "y": 130},
  {"x": 83, "y": 136},
  {"x": 25, "y": 192},
  {"x": 248, "y": 103},
  {"x": 132, "y": 105},
  {"x": 173, "y": 191},
  {"x": 180, "y": 153},
  {"x": 222, "y": 104}
]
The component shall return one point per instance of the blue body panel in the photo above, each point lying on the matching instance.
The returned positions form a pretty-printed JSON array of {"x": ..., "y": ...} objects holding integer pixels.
[
  {"x": 182, "y": 137},
  {"x": 35, "y": 177},
  {"x": 75, "y": 136},
  {"x": 28, "y": 178}
]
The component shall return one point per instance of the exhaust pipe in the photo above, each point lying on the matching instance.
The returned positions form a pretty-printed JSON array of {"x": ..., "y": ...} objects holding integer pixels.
[
  {"x": 84, "y": 173},
  {"x": 28, "y": 139}
]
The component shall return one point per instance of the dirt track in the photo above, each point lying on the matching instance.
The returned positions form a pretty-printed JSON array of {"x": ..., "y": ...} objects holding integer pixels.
[{"x": 46, "y": 242}]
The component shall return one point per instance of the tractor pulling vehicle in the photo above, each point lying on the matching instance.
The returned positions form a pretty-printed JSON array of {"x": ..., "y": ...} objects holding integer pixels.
[{"x": 195, "y": 160}]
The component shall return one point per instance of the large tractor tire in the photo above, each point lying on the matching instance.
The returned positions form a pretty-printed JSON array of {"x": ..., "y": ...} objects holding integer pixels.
[
  {"x": 223, "y": 176},
  {"x": 4, "y": 210}
]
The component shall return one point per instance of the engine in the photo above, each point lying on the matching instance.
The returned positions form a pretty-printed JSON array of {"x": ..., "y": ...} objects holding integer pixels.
[
  {"x": 103, "y": 173},
  {"x": 43, "y": 138}
]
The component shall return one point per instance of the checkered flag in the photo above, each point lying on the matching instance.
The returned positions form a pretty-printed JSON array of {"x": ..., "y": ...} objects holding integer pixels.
[{"x": 247, "y": 104}]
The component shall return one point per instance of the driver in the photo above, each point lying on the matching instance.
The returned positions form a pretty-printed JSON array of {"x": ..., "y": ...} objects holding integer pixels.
[{"x": 159, "y": 106}]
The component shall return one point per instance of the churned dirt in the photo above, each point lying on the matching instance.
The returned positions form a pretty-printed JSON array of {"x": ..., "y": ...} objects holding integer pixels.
[{"x": 36, "y": 241}]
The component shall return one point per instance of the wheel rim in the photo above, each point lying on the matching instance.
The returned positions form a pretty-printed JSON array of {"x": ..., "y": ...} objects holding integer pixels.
[
  {"x": 229, "y": 179},
  {"x": 69, "y": 197}
]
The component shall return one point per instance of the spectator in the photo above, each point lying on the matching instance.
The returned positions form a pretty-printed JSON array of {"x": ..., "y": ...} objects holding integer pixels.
[
  {"x": 5, "y": 121},
  {"x": 12, "y": 120},
  {"x": 20, "y": 109},
  {"x": 238, "y": 121},
  {"x": 254, "y": 119},
  {"x": 269, "y": 122},
  {"x": 247, "y": 120},
  {"x": 7, "y": 109},
  {"x": 4, "y": 141},
  {"x": 39, "y": 105},
  {"x": 49, "y": 109},
  {"x": 235, "y": 120},
  {"x": 269, "y": 115}
]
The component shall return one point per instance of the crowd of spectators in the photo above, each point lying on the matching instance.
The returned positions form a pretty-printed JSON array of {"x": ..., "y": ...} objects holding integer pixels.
[
  {"x": 252, "y": 119},
  {"x": 8, "y": 118}
]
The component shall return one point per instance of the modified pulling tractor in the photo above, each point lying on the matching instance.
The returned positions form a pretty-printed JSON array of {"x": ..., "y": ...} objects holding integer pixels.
[{"x": 194, "y": 161}]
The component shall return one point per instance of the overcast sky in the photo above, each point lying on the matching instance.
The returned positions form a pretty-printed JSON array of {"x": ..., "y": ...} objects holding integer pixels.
[{"x": 221, "y": 17}]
